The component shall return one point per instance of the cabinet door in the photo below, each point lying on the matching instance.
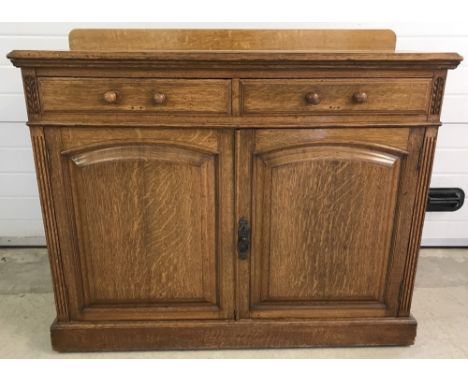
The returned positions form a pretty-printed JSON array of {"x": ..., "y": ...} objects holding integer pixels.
[
  {"x": 145, "y": 221},
  {"x": 329, "y": 220}
]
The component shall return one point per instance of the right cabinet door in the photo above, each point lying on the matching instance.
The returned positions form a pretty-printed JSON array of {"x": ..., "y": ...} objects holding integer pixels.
[{"x": 330, "y": 213}]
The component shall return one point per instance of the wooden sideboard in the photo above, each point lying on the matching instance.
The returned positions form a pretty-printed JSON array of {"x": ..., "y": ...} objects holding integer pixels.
[{"x": 233, "y": 188}]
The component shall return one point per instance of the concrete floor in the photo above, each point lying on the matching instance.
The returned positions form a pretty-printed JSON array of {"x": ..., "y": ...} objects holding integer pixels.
[{"x": 440, "y": 304}]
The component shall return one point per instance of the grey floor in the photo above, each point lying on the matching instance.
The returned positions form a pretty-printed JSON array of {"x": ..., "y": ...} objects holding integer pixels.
[{"x": 440, "y": 305}]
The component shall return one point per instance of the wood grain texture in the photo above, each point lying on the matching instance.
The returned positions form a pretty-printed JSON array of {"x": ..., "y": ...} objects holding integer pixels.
[
  {"x": 230, "y": 39},
  {"x": 348, "y": 269},
  {"x": 147, "y": 160},
  {"x": 402, "y": 220},
  {"x": 273, "y": 139},
  {"x": 181, "y": 96},
  {"x": 226, "y": 335},
  {"x": 241, "y": 59},
  {"x": 48, "y": 205},
  {"x": 260, "y": 121},
  {"x": 425, "y": 167},
  {"x": 244, "y": 146},
  {"x": 200, "y": 139},
  {"x": 146, "y": 230},
  {"x": 336, "y": 96},
  {"x": 308, "y": 200},
  {"x": 223, "y": 70},
  {"x": 146, "y": 211}
]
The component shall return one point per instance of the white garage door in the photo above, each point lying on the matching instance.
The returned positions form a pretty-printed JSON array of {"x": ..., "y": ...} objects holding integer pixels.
[{"x": 20, "y": 216}]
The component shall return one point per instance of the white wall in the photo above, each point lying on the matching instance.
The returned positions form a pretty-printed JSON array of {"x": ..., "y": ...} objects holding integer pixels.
[{"x": 20, "y": 215}]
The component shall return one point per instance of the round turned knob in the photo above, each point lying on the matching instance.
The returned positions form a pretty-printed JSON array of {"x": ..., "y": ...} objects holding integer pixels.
[
  {"x": 360, "y": 97},
  {"x": 111, "y": 96},
  {"x": 159, "y": 98},
  {"x": 312, "y": 98}
]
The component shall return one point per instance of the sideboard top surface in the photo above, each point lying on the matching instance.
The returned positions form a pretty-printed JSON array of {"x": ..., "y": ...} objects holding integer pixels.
[
  {"x": 313, "y": 58},
  {"x": 314, "y": 47}
]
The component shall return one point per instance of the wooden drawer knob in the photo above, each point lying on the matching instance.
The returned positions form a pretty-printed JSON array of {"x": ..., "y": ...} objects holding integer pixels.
[
  {"x": 111, "y": 96},
  {"x": 360, "y": 97},
  {"x": 312, "y": 98},
  {"x": 159, "y": 98}
]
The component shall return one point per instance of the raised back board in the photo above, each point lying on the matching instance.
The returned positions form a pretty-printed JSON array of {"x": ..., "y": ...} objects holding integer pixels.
[{"x": 231, "y": 39}]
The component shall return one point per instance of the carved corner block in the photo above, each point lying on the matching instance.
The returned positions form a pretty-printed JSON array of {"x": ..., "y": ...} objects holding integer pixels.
[
  {"x": 31, "y": 93},
  {"x": 438, "y": 86}
]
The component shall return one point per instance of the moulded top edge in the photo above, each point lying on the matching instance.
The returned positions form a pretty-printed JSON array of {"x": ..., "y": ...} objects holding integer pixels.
[{"x": 329, "y": 58}]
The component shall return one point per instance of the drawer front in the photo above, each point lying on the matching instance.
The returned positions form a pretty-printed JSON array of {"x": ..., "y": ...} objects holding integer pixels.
[
  {"x": 407, "y": 96},
  {"x": 135, "y": 95}
]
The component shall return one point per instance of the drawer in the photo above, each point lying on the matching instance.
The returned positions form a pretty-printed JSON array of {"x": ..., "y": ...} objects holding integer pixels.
[
  {"x": 350, "y": 96},
  {"x": 135, "y": 95}
]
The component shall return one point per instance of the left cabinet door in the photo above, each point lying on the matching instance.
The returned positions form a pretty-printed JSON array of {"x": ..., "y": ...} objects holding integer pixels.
[{"x": 144, "y": 218}]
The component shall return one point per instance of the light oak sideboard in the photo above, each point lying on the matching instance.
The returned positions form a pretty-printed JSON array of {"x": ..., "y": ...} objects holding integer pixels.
[{"x": 233, "y": 188}]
